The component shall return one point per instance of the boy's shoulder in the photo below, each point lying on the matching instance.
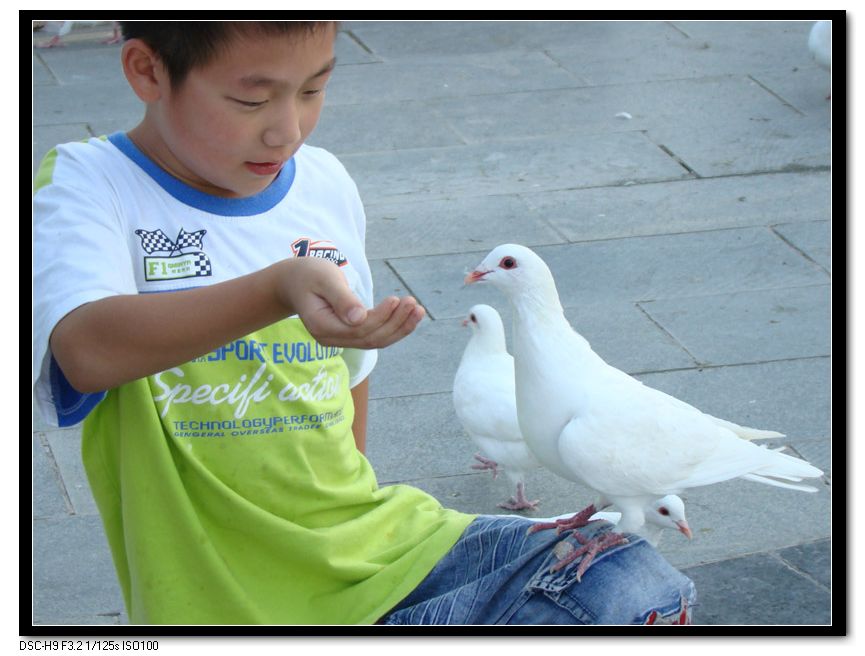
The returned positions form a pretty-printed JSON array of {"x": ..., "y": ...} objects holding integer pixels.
[{"x": 85, "y": 155}]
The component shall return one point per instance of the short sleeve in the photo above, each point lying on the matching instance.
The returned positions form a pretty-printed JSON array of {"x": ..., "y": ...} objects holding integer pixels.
[{"x": 79, "y": 255}]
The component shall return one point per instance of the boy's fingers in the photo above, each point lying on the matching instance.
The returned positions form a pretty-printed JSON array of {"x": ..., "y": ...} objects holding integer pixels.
[{"x": 399, "y": 323}]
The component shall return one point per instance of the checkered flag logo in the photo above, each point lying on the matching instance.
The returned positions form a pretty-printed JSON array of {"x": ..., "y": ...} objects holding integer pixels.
[
  {"x": 189, "y": 239},
  {"x": 155, "y": 240}
]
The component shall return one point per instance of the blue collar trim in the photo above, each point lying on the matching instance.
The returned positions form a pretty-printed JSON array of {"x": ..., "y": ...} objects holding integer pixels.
[{"x": 248, "y": 206}]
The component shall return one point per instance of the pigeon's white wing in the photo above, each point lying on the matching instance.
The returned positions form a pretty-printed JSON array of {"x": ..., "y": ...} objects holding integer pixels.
[
  {"x": 663, "y": 398},
  {"x": 637, "y": 450}
]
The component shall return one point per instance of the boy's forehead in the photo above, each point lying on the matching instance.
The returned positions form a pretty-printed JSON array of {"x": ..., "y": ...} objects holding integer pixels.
[
  {"x": 266, "y": 60},
  {"x": 256, "y": 80}
]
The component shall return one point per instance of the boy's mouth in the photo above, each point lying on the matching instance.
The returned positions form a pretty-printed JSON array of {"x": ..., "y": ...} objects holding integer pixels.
[{"x": 264, "y": 168}]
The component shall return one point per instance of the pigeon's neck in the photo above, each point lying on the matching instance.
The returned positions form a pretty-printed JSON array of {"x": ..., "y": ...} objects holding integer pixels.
[
  {"x": 484, "y": 343},
  {"x": 540, "y": 306}
]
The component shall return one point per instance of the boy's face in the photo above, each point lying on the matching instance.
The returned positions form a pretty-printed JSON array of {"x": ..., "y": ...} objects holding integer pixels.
[{"x": 232, "y": 124}]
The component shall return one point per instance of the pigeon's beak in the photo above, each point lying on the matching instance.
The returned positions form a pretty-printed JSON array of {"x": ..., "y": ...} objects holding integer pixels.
[
  {"x": 465, "y": 323},
  {"x": 475, "y": 276},
  {"x": 684, "y": 529}
]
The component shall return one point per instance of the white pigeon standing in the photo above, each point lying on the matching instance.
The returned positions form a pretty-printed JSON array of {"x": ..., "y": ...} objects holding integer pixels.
[
  {"x": 820, "y": 45},
  {"x": 591, "y": 423},
  {"x": 484, "y": 401},
  {"x": 661, "y": 514}
]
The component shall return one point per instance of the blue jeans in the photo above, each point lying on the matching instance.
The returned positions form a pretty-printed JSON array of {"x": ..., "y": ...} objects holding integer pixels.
[{"x": 498, "y": 574}]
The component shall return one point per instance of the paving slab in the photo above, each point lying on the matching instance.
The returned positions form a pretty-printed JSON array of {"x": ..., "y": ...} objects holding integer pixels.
[
  {"x": 419, "y": 39},
  {"x": 511, "y": 167},
  {"x": 66, "y": 448},
  {"x": 680, "y": 104},
  {"x": 447, "y": 76},
  {"x": 792, "y": 397},
  {"x": 814, "y": 559},
  {"x": 65, "y": 594},
  {"x": 812, "y": 239},
  {"x": 355, "y": 129},
  {"x": 638, "y": 269},
  {"x": 103, "y": 65},
  {"x": 49, "y": 498},
  {"x": 762, "y": 144},
  {"x": 413, "y": 228},
  {"x": 737, "y": 592},
  {"x": 687, "y": 206},
  {"x": 748, "y": 326}
]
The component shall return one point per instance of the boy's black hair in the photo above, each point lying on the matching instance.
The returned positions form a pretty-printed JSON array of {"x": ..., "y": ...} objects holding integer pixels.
[{"x": 184, "y": 45}]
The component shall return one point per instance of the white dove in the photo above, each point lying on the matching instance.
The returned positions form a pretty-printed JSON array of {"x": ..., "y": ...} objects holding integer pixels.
[
  {"x": 484, "y": 401},
  {"x": 591, "y": 423},
  {"x": 820, "y": 45},
  {"x": 665, "y": 513}
]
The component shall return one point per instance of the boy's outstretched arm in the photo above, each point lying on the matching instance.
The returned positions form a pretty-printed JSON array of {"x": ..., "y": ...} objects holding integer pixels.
[{"x": 114, "y": 340}]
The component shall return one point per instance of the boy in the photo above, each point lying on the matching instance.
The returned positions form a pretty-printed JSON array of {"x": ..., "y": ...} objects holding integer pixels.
[{"x": 201, "y": 304}]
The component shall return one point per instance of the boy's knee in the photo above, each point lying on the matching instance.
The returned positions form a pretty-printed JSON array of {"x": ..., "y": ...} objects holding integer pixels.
[{"x": 628, "y": 584}]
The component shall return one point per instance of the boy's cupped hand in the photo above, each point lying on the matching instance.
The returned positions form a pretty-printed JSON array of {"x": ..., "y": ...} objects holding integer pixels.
[{"x": 319, "y": 293}]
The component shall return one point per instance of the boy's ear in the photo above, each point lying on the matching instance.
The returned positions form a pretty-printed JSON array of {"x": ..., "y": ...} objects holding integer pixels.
[{"x": 144, "y": 70}]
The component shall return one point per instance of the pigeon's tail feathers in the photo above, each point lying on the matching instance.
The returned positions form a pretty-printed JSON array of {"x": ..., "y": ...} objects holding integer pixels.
[
  {"x": 771, "y": 481},
  {"x": 748, "y": 433}
]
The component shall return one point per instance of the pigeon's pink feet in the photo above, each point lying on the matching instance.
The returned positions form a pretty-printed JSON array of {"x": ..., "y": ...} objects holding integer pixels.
[
  {"x": 588, "y": 549},
  {"x": 520, "y": 502},
  {"x": 54, "y": 42},
  {"x": 577, "y": 521},
  {"x": 486, "y": 463}
]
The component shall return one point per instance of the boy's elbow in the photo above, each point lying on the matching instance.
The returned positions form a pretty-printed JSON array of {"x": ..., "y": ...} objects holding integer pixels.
[
  {"x": 80, "y": 377},
  {"x": 76, "y": 362}
]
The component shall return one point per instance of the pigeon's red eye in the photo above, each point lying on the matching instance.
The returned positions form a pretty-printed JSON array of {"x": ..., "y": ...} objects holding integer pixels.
[
  {"x": 663, "y": 511},
  {"x": 473, "y": 318},
  {"x": 508, "y": 262}
]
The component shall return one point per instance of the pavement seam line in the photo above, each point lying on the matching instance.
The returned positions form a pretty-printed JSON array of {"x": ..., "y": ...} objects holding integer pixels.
[
  {"x": 777, "y": 556},
  {"x": 55, "y": 471}
]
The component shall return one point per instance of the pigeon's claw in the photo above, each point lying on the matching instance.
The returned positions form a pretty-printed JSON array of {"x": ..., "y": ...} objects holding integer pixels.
[
  {"x": 577, "y": 521},
  {"x": 520, "y": 502},
  {"x": 486, "y": 463},
  {"x": 588, "y": 550}
]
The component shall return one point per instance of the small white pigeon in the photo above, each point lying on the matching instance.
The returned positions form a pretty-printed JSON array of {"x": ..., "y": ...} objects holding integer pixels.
[
  {"x": 591, "y": 423},
  {"x": 820, "y": 45},
  {"x": 484, "y": 401},
  {"x": 665, "y": 513}
]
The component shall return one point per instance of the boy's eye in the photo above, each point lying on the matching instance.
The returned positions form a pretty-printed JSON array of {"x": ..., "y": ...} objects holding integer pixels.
[{"x": 248, "y": 103}]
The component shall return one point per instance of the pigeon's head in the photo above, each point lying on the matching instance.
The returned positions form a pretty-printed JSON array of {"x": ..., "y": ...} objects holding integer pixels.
[
  {"x": 488, "y": 331},
  {"x": 483, "y": 318},
  {"x": 669, "y": 512},
  {"x": 514, "y": 269}
]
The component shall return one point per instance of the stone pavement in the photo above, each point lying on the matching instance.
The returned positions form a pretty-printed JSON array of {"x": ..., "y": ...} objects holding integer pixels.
[{"x": 676, "y": 178}]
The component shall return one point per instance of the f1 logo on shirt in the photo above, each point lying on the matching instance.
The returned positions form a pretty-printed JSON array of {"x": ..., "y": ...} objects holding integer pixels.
[
  {"x": 306, "y": 247},
  {"x": 184, "y": 258}
]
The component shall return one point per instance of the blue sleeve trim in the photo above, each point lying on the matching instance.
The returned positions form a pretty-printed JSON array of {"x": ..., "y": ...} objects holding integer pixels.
[{"x": 71, "y": 405}]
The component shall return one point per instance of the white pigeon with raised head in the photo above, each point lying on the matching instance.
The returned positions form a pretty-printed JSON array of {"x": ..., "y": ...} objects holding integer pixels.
[
  {"x": 485, "y": 404},
  {"x": 594, "y": 424},
  {"x": 666, "y": 513}
]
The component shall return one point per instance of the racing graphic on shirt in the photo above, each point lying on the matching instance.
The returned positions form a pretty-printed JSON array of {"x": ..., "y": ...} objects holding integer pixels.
[
  {"x": 306, "y": 247},
  {"x": 183, "y": 257}
]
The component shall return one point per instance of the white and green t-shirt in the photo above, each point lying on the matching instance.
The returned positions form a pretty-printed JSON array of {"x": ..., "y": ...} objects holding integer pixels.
[{"x": 230, "y": 487}]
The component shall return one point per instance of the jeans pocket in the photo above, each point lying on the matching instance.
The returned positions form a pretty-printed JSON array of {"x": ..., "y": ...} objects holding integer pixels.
[{"x": 579, "y": 598}]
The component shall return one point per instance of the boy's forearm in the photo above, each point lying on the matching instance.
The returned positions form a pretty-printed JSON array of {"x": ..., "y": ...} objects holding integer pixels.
[{"x": 114, "y": 340}]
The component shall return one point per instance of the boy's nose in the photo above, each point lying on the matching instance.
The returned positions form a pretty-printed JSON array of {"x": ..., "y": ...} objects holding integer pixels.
[{"x": 283, "y": 132}]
